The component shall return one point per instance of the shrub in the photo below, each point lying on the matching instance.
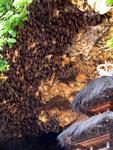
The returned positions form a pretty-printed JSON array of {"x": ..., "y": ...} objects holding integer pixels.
[
  {"x": 12, "y": 14},
  {"x": 110, "y": 2},
  {"x": 110, "y": 42}
]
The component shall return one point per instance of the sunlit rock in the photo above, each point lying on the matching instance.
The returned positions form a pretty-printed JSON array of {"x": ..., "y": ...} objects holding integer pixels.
[{"x": 99, "y": 6}]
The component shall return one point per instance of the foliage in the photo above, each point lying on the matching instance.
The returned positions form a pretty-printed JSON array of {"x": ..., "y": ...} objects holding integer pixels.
[
  {"x": 110, "y": 43},
  {"x": 3, "y": 65},
  {"x": 110, "y": 2},
  {"x": 12, "y": 14}
]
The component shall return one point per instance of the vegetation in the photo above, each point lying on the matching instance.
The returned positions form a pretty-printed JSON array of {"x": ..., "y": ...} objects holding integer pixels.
[
  {"x": 110, "y": 2},
  {"x": 110, "y": 42},
  {"x": 12, "y": 14}
]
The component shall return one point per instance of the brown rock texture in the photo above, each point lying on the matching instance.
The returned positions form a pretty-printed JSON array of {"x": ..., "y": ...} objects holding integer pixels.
[{"x": 44, "y": 76}]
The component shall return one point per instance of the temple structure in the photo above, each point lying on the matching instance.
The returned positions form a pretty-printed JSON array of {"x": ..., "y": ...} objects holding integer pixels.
[
  {"x": 96, "y": 97},
  {"x": 95, "y": 133}
]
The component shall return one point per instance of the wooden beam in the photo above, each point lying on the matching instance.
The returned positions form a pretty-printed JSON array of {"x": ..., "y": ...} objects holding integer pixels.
[
  {"x": 95, "y": 141},
  {"x": 102, "y": 107}
]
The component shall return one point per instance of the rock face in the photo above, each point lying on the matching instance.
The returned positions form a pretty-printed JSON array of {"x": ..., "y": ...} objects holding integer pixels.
[
  {"x": 41, "y": 48},
  {"x": 44, "y": 77},
  {"x": 86, "y": 39}
]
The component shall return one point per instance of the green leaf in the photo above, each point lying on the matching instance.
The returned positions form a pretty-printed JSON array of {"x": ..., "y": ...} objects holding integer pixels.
[
  {"x": 2, "y": 41},
  {"x": 10, "y": 45},
  {"x": 12, "y": 33},
  {"x": 110, "y": 43},
  {"x": 3, "y": 65},
  {"x": 110, "y": 2},
  {"x": 1, "y": 48},
  {"x": 18, "y": 3},
  {"x": 11, "y": 40}
]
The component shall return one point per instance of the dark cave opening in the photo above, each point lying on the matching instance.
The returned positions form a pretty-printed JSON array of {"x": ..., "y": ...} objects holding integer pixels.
[{"x": 47, "y": 141}]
